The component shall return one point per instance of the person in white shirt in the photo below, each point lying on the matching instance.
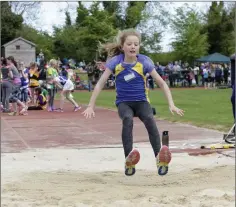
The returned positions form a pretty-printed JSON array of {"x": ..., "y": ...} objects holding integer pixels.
[{"x": 196, "y": 73}]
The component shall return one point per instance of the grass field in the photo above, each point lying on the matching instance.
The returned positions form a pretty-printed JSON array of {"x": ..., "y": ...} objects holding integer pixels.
[{"x": 205, "y": 108}]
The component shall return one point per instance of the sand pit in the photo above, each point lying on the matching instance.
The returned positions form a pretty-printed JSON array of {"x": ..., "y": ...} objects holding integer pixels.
[{"x": 95, "y": 177}]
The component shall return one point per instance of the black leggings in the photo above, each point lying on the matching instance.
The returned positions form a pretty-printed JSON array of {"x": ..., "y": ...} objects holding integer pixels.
[{"x": 143, "y": 110}]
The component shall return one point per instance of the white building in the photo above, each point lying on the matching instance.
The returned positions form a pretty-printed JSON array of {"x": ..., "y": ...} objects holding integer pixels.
[{"x": 21, "y": 49}]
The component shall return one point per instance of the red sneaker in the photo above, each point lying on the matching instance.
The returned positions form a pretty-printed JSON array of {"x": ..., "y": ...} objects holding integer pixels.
[
  {"x": 131, "y": 160},
  {"x": 163, "y": 159}
]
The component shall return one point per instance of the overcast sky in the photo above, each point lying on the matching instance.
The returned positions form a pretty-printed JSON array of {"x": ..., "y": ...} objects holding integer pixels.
[{"x": 52, "y": 13}]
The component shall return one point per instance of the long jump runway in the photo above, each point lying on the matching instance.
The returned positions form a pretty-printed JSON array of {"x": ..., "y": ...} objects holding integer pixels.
[{"x": 41, "y": 129}]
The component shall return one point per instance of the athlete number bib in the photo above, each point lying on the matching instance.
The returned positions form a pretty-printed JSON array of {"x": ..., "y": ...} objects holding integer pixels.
[{"x": 129, "y": 77}]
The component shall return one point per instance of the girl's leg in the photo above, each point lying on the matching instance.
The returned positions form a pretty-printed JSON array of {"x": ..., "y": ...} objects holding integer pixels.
[
  {"x": 26, "y": 98},
  {"x": 163, "y": 155},
  {"x": 145, "y": 113},
  {"x": 4, "y": 97},
  {"x": 23, "y": 107},
  {"x": 14, "y": 98},
  {"x": 53, "y": 97},
  {"x": 7, "y": 89},
  {"x": 8, "y": 93},
  {"x": 32, "y": 95},
  {"x": 62, "y": 100},
  {"x": 17, "y": 99},
  {"x": 126, "y": 115},
  {"x": 69, "y": 98},
  {"x": 214, "y": 83},
  {"x": 132, "y": 156},
  {"x": 205, "y": 84},
  {"x": 209, "y": 83},
  {"x": 14, "y": 106},
  {"x": 50, "y": 91}
]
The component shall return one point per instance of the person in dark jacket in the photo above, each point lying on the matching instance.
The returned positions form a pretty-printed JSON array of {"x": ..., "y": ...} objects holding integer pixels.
[{"x": 232, "y": 59}]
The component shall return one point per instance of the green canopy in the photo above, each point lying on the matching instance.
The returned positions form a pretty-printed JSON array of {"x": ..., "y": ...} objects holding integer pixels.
[{"x": 214, "y": 58}]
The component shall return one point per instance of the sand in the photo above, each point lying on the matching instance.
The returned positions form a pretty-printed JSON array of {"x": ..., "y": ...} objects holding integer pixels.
[{"x": 95, "y": 177}]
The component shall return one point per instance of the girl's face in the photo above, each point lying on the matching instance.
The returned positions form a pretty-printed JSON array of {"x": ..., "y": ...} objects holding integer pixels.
[
  {"x": 131, "y": 46},
  {"x": 9, "y": 62},
  {"x": 21, "y": 66},
  {"x": 36, "y": 93}
]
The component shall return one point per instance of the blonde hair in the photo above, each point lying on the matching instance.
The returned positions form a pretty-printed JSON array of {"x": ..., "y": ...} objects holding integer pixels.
[
  {"x": 115, "y": 48},
  {"x": 53, "y": 63}
]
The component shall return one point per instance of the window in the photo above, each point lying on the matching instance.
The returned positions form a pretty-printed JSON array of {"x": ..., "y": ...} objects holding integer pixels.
[{"x": 17, "y": 47}]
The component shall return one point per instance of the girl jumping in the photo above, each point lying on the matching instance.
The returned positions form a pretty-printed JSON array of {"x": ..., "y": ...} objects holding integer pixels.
[{"x": 130, "y": 68}]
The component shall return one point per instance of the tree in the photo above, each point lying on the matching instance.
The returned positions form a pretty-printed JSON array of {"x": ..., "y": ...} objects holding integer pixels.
[
  {"x": 146, "y": 17},
  {"x": 28, "y": 10},
  {"x": 163, "y": 58},
  {"x": 150, "y": 43},
  {"x": 82, "y": 13},
  {"x": 134, "y": 13},
  {"x": 80, "y": 41},
  {"x": 214, "y": 19},
  {"x": 227, "y": 32},
  {"x": 68, "y": 19},
  {"x": 189, "y": 43},
  {"x": 42, "y": 40},
  {"x": 66, "y": 42},
  {"x": 219, "y": 25},
  {"x": 97, "y": 27},
  {"x": 10, "y": 21}
]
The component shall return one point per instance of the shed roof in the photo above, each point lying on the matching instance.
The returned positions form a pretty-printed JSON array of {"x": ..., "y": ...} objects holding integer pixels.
[{"x": 19, "y": 38}]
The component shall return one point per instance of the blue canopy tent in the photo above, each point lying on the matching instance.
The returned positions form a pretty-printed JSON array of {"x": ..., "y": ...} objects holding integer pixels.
[{"x": 214, "y": 58}]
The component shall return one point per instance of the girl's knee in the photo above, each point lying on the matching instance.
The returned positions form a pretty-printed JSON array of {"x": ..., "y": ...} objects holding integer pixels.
[
  {"x": 127, "y": 120},
  {"x": 68, "y": 96},
  {"x": 63, "y": 96},
  {"x": 147, "y": 118}
]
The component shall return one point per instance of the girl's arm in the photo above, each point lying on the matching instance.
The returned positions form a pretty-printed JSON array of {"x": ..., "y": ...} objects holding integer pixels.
[
  {"x": 10, "y": 73},
  {"x": 40, "y": 71},
  {"x": 162, "y": 84},
  {"x": 99, "y": 86},
  {"x": 25, "y": 75}
]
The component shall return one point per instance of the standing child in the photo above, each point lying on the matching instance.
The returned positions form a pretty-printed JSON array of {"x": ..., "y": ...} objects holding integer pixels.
[
  {"x": 16, "y": 84},
  {"x": 33, "y": 79},
  {"x": 51, "y": 73},
  {"x": 24, "y": 84},
  {"x": 130, "y": 69}
]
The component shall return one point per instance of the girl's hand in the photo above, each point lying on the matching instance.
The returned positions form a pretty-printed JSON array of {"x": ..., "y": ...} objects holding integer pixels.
[
  {"x": 89, "y": 112},
  {"x": 176, "y": 110}
]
